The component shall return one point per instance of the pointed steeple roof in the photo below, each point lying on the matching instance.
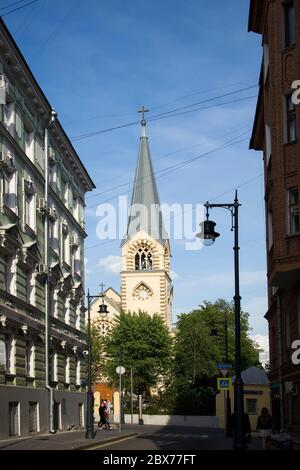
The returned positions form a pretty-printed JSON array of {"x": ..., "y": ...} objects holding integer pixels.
[{"x": 145, "y": 213}]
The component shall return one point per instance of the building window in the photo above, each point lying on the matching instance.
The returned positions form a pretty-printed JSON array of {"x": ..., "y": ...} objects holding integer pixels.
[
  {"x": 9, "y": 196},
  {"x": 291, "y": 119},
  {"x": 54, "y": 367},
  {"x": 30, "y": 287},
  {"x": 293, "y": 204},
  {"x": 266, "y": 57},
  {"x": 19, "y": 127},
  {"x": 29, "y": 143},
  {"x": 3, "y": 353},
  {"x": 10, "y": 355},
  {"x": 29, "y": 210},
  {"x": 268, "y": 143},
  {"x": 29, "y": 359},
  {"x": 67, "y": 369},
  {"x": 143, "y": 260},
  {"x": 251, "y": 406},
  {"x": 10, "y": 274},
  {"x": 289, "y": 24},
  {"x": 270, "y": 230},
  {"x": 78, "y": 372}
]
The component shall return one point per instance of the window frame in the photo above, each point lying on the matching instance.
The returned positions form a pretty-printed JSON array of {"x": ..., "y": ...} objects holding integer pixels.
[
  {"x": 288, "y": 34},
  {"x": 290, "y": 207},
  {"x": 290, "y": 119}
]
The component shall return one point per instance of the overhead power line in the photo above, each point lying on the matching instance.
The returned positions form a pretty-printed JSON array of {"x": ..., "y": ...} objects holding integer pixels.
[
  {"x": 169, "y": 113},
  {"x": 240, "y": 126},
  {"x": 11, "y": 5},
  {"x": 18, "y": 8},
  {"x": 176, "y": 166},
  {"x": 173, "y": 216}
]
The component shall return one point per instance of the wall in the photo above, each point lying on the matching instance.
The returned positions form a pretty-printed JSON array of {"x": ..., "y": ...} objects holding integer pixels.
[
  {"x": 176, "y": 420},
  {"x": 263, "y": 401}
]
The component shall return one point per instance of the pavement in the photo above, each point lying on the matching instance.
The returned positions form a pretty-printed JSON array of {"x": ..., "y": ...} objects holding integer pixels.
[{"x": 132, "y": 437}]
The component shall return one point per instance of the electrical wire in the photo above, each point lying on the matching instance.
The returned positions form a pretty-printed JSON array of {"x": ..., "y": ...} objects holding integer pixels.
[
  {"x": 91, "y": 196},
  {"x": 12, "y": 5},
  {"x": 190, "y": 210},
  {"x": 19, "y": 8},
  {"x": 174, "y": 167},
  {"x": 168, "y": 114}
]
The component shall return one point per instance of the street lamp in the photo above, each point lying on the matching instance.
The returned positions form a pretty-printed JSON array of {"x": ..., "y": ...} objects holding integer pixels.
[
  {"x": 89, "y": 434},
  {"x": 209, "y": 236}
]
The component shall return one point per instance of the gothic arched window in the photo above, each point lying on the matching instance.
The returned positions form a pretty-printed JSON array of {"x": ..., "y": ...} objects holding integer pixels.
[{"x": 143, "y": 260}]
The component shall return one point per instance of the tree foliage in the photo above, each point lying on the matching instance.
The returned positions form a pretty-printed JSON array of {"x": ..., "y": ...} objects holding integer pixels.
[
  {"x": 98, "y": 354},
  {"x": 141, "y": 342}
]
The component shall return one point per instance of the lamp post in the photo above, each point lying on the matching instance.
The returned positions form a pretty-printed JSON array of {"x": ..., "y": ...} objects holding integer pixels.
[
  {"x": 209, "y": 235},
  {"x": 214, "y": 332},
  {"x": 89, "y": 434}
]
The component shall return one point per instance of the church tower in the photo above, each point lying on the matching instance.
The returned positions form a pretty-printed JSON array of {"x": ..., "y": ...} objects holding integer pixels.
[{"x": 145, "y": 278}]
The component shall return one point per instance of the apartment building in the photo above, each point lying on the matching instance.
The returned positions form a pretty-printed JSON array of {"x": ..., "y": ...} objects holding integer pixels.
[
  {"x": 42, "y": 311},
  {"x": 276, "y": 132}
]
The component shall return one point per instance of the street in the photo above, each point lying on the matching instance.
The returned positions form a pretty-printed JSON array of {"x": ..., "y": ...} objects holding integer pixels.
[{"x": 175, "y": 438}]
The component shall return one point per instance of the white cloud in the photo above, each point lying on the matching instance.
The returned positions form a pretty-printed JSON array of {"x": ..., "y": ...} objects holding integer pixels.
[
  {"x": 111, "y": 264},
  {"x": 263, "y": 341}
]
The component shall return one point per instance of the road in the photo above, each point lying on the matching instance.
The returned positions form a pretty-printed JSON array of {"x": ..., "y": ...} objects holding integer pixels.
[{"x": 174, "y": 438}]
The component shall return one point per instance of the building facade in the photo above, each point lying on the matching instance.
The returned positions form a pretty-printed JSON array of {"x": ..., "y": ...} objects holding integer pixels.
[
  {"x": 41, "y": 257},
  {"x": 276, "y": 133}
]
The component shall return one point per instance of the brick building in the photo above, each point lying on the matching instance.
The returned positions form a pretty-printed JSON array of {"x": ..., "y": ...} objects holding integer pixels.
[
  {"x": 276, "y": 133},
  {"x": 42, "y": 312}
]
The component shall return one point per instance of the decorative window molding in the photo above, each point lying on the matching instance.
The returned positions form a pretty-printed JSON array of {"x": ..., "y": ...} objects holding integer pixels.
[{"x": 142, "y": 292}]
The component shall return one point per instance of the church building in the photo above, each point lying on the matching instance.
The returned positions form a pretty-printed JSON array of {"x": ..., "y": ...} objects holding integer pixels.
[{"x": 146, "y": 284}]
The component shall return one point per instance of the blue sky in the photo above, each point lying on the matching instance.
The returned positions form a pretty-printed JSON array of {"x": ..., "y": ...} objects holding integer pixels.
[{"x": 99, "y": 61}]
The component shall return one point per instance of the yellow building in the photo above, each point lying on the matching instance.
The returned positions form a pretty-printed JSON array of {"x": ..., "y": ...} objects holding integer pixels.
[{"x": 256, "y": 396}]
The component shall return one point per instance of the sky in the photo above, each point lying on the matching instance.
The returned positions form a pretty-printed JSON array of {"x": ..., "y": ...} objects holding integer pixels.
[{"x": 98, "y": 62}]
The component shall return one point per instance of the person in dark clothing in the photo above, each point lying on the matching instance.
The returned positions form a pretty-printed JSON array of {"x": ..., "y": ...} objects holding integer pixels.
[
  {"x": 102, "y": 415},
  {"x": 264, "y": 426}
]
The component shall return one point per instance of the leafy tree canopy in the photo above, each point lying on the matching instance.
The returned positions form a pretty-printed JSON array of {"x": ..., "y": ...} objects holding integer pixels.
[{"x": 141, "y": 342}]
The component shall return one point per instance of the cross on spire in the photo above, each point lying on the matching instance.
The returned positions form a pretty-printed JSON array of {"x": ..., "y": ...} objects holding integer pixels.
[
  {"x": 102, "y": 286},
  {"x": 143, "y": 110}
]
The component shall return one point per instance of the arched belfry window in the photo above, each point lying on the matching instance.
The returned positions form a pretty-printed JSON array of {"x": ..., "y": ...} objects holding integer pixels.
[{"x": 143, "y": 260}]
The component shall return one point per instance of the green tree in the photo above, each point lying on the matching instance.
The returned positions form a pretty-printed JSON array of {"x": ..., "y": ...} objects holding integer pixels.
[
  {"x": 98, "y": 354},
  {"x": 197, "y": 353},
  {"x": 141, "y": 342}
]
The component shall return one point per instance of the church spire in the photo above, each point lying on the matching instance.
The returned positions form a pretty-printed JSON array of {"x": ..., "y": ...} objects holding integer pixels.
[{"x": 145, "y": 213}]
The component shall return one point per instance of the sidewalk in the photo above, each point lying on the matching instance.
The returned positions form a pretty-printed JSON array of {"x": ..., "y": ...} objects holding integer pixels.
[{"x": 66, "y": 440}]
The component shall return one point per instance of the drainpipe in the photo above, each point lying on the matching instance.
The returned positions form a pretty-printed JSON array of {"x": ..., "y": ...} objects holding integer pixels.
[
  {"x": 280, "y": 360},
  {"x": 46, "y": 258}
]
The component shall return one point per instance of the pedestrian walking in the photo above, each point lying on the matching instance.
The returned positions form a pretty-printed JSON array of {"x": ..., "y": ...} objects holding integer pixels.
[
  {"x": 264, "y": 426},
  {"x": 102, "y": 420}
]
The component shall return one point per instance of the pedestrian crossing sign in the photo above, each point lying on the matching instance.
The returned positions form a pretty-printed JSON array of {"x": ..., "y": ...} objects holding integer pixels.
[{"x": 224, "y": 383}]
